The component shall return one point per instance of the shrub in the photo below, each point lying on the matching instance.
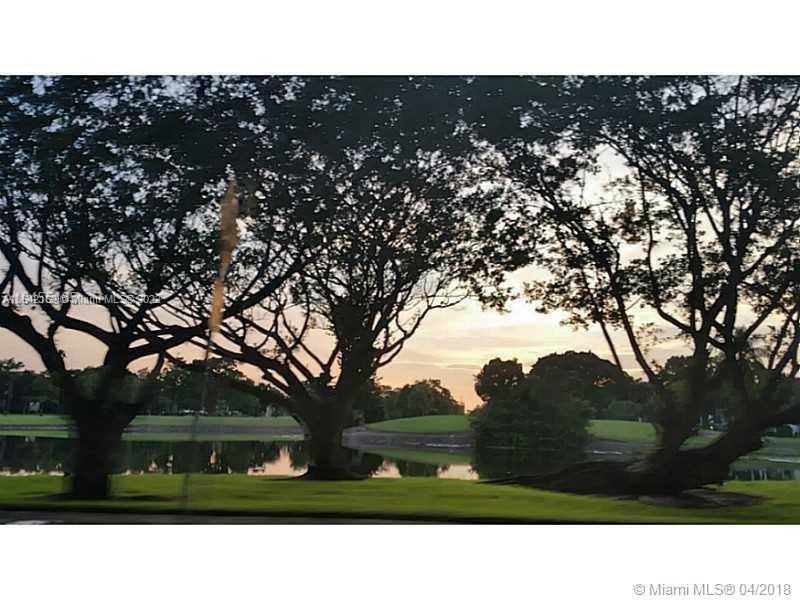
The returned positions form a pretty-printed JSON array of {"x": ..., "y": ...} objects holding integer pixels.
[
  {"x": 426, "y": 397},
  {"x": 537, "y": 416}
]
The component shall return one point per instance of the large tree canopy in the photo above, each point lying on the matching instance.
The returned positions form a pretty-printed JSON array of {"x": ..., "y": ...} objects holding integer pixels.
[
  {"x": 497, "y": 378},
  {"x": 596, "y": 381},
  {"x": 539, "y": 415},
  {"x": 426, "y": 397},
  {"x": 380, "y": 162},
  {"x": 668, "y": 207},
  {"x": 109, "y": 194}
]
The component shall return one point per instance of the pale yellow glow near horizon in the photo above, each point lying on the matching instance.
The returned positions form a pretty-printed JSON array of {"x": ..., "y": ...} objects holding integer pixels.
[{"x": 455, "y": 343}]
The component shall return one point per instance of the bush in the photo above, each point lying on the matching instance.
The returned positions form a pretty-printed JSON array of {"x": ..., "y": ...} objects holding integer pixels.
[
  {"x": 538, "y": 416},
  {"x": 426, "y": 397},
  {"x": 593, "y": 379}
]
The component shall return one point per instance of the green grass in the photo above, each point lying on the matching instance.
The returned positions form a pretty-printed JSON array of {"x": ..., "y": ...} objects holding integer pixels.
[
  {"x": 429, "y": 424},
  {"x": 175, "y": 421},
  {"x": 14, "y": 419},
  {"x": 623, "y": 431},
  {"x": 58, "y": 434},
  {"x": 159, "y": 420},
  {"x": 644, "y": 433},
  {"x": 185, "y": 422},
  {"x": 780, "y": 446},
  {"x": 182, "y": 436},
  {"x": 421, "y": 498}
]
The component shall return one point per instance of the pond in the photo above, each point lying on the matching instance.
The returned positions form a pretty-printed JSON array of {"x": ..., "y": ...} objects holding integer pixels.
[{"x": 26, "y": 455}]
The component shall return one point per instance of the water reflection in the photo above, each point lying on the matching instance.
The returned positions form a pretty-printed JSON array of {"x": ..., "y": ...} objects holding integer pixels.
[
  {"x": 29, "y": 455},
  {"x": 416, "y": 469},
  {"x": 496, "y": 463},
  {"x": 20, "y": 455}
]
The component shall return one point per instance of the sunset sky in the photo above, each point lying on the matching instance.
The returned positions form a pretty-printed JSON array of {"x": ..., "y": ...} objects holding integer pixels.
[{"x": 451, "y": 345}]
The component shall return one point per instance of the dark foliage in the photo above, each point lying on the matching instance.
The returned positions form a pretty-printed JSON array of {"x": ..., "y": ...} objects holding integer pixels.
[
  {"x": 426, "y": 397},
  {"x": 539, "y": 416}
]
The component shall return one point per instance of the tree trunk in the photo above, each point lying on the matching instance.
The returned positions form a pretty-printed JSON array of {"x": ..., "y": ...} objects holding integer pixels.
[
  {"x": 696, "y": 467},
  {"x": 661, "y": 472},
  {"x": 95, "y": 449},
  {"x": 323, "y": 427}
]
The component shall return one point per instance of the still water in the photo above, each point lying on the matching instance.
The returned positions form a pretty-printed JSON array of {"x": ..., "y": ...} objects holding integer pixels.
[{"x": 21, "y": 456}]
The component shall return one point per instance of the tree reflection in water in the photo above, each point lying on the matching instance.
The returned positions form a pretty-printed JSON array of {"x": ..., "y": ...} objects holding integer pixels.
[
  {"x": 415, "y": 469},
  {"x": 495, "y": 463},
  {"x": 47, "y": 455}
]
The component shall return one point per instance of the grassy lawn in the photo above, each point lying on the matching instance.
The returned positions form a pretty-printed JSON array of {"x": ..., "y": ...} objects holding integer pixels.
[
  {"x": 186, "y": 421},
  {"x": 635, "y": 432},
  {"x": 61, "y": 434},
  {"x": 781, "y": 446},
  {"x": 623, "y": 431},
  {"x": 31, "y": 420},
  {"x": 410, "y": 498},
  {"x": 644, "y": 433},
  {"x": 223, "y": 423},
  {"x": 182, "y": 436},
  {"x": 429, "y": 424}
]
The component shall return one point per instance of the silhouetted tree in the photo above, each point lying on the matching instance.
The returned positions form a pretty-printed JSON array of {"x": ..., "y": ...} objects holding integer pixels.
[
  {"x": 377, "y": 162},
  {"x": 696, "y": 223},
  {"x": 224, "y": 388},
  {"x": 591, "y": 378},
  {"x": 540, "y": 415},
  {"x": 426, "y": 397},
  {"x": 109, "y": 190},
  {"x": 368, "y": 405},
  {"x": 498, "y": 378}
]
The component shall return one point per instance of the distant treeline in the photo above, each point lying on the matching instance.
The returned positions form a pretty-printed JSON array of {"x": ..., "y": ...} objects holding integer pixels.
[{"x": 221, "y": 390}]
